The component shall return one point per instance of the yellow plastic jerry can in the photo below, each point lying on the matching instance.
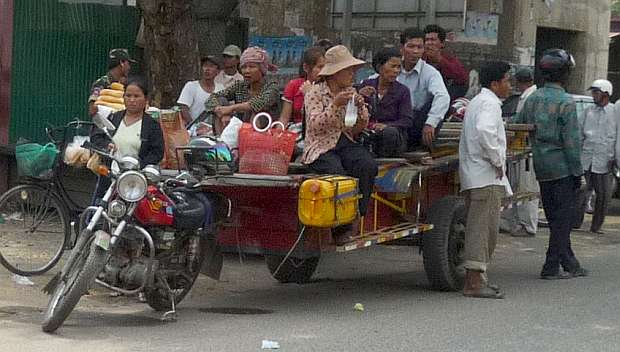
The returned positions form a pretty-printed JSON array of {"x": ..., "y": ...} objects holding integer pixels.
[{"x": 328, "y": 201}]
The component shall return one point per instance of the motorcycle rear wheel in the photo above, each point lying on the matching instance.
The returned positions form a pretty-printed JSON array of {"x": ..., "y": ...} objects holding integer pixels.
[
  {"x": 158, "y": 298},
  {"x": 67, "y": 293}
]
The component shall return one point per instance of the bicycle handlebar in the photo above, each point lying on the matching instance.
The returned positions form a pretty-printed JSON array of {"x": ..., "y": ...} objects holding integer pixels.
[{"x": 51, "y": 131}]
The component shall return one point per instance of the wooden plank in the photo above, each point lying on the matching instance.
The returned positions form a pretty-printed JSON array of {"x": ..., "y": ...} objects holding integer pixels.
[
  {"x": 385, "y": 234},
  {"x": 508, "y": 126},
  {"x": 523, "y": 127}
]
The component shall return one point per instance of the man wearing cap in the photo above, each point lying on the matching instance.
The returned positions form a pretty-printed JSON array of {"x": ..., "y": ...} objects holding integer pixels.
[
  {"x": 599, "y": 138},
  {"x": 195, "y": 93},
  {"x": 522, "y": 220},
  {"x": 119, "y": 65},
  {"x": 429, "y": 97},
  {"x": 230, "y": 67}
]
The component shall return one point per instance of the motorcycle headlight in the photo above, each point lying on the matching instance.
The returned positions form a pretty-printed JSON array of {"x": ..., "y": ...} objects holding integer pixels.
[
  {"x": 117, "y": 209},
  {"x": 131, "y": 186}
]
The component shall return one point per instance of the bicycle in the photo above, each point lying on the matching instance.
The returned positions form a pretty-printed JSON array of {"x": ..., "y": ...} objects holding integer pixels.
[{"x": 36, "y": 216}]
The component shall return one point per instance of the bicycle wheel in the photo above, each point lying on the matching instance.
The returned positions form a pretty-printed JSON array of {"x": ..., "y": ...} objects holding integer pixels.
[{"x": 34, "y": 228}]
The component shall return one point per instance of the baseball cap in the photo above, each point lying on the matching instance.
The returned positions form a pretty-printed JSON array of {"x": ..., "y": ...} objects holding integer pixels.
[
  {"x": 232, "y": 50},
  {"x": 603, "y": 85},
  {"x": 120, "y": 54},
  {"x": 524, "y": 75}
]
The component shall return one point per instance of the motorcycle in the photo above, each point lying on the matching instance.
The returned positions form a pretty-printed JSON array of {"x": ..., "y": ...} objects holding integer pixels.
[{"x": 148, "y": 235}]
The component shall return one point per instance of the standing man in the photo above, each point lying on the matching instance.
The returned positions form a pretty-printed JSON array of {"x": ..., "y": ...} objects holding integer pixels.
[
  {"x": 556, "y": 147},
  {"x": 482, "y": 171},
  {"x": 230, "y": 70},
  {"x": 522, "y": 220},
  {"x": 119, "y": 65},
  {"x": 429, "y": 97},
  {"x": 195, "y": 93},
  {"x": 452, "y": 70},
  {"x": 599, "y": 138}
]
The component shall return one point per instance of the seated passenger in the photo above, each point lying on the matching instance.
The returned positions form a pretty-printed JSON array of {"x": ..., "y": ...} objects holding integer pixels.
[
  {"x": 293, "y": 98},
  {"x": 389, "y": 103},
  {"x": 330, "y": 146},
  {"x": 248, "y": 97},
  {"x": 195, "y": 93}
]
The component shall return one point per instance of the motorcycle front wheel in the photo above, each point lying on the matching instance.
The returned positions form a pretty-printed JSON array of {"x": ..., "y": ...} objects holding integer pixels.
[
  {"x": 180, "y": 283},
  {"x": 80, "y": 276}
]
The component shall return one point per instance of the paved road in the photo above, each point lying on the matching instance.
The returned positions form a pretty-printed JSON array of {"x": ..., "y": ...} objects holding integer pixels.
[{"x": 401, "y": 313}]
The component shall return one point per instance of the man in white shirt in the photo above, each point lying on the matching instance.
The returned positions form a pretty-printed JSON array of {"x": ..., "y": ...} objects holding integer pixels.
[
  {"x": 230, "y": 67},
  {"x": 522, "y": 220},
  {"x": 195, "y": 93},
  {"x": 599, "y": 139},
  {"x": 429, "y": 97},
  {"x": 482, "y": 172}
]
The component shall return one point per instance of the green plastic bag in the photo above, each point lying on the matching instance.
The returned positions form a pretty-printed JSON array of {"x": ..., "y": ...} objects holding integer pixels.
[{"x": 35, "y": 160}]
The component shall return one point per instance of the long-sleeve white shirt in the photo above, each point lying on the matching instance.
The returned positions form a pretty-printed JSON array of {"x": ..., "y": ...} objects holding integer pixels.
[
  {"x": 426, "y": 85},
  {"x": 599, "y": 138},
  {"x": 524, "y": 97},
  {"x": 482, "y": 147}
]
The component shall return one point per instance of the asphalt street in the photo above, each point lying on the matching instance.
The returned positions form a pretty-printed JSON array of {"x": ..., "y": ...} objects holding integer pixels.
[{"x": 400, "y": 312}]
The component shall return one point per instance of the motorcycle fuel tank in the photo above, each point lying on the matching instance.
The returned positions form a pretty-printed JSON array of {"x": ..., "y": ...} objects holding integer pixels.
[{"x": 155, "y": 209}]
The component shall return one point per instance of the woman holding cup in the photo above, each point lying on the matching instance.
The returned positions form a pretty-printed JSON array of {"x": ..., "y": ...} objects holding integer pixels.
[{"x": 330, "y": 146}]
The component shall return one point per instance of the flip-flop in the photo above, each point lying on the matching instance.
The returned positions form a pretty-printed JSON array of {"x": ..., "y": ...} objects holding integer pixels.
[
  {"x": 485, "y": 292},
  {"x": 493, "y": 287}
]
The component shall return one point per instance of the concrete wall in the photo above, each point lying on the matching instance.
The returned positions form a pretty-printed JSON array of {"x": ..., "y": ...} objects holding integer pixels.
[
  {"x": 587, "y": 22},
  {"x": 287, "y": 17}
]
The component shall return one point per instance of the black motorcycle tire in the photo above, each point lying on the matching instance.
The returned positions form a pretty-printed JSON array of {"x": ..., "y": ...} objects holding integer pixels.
[
  {"x": 67, "y": 294},
  {"x": 159, "y": 300}
]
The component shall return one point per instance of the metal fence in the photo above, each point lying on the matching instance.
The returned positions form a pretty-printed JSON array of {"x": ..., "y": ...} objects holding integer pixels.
[{"x": 59, "y": 49}]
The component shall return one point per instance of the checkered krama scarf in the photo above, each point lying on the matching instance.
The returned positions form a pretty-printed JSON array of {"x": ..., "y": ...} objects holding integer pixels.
[{"x": 258, "y": 56}]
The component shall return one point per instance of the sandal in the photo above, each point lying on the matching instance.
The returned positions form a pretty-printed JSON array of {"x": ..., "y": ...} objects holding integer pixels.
[{"x": 485, "y": 292}]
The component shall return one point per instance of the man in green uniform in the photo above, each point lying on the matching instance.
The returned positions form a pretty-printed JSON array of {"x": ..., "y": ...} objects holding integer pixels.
[
  {"x": 119, "y": 65},
  {"x": 556, "y": 148}
]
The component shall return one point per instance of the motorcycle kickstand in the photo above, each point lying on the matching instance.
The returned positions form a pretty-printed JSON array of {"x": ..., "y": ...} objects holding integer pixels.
[{"x": 170, "y": 315}]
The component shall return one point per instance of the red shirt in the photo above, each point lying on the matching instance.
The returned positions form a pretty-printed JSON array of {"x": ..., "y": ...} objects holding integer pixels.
[
  {"x": 294, "y": 95},
  {"x": 451, "y": 68}
]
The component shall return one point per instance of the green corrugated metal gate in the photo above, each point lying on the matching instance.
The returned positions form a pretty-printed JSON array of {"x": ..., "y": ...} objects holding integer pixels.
[{"x": 59, "y": 49}]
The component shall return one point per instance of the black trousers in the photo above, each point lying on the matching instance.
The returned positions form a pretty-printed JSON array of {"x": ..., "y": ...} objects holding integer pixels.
[
  {"x": 559, "y": 199},
  {"x": 601, "y": 185},
  {"x": 351, "y": 159},
  {"x": 391, "y": 142}
]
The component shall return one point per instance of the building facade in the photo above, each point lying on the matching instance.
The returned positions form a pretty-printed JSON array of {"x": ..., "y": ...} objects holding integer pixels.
[{"x": 517, "y": 30}]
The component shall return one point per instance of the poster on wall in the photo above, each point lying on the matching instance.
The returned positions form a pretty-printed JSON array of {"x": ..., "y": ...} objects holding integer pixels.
[
  {"x": 286, "y": 52},
  {"x": 481, "y": 27}
]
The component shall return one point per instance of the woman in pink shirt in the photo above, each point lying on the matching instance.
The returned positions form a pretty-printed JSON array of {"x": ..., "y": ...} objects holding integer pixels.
[{"x": 293, "y": 97}]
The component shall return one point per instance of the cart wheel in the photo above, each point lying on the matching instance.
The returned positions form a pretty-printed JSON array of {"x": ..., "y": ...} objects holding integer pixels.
[
  {"x": 297, "y": 270},
  {"x": 443, "y": 247}
]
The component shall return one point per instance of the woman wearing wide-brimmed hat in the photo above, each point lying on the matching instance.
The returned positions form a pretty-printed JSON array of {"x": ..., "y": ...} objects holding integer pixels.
[{"x": 330, "y": 146}]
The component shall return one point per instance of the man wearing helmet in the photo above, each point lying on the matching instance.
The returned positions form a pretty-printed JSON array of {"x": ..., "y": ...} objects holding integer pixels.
[
  {"x": 599, "y": 137},
  {"x": 556, "y": 148}
]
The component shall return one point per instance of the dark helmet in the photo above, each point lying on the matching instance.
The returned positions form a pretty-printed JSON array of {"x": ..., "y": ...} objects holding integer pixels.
[{"x": 555, "y": 63}]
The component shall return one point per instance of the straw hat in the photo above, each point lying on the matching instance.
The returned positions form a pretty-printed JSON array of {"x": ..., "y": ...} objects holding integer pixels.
[{"x": 337, "y": 59}]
